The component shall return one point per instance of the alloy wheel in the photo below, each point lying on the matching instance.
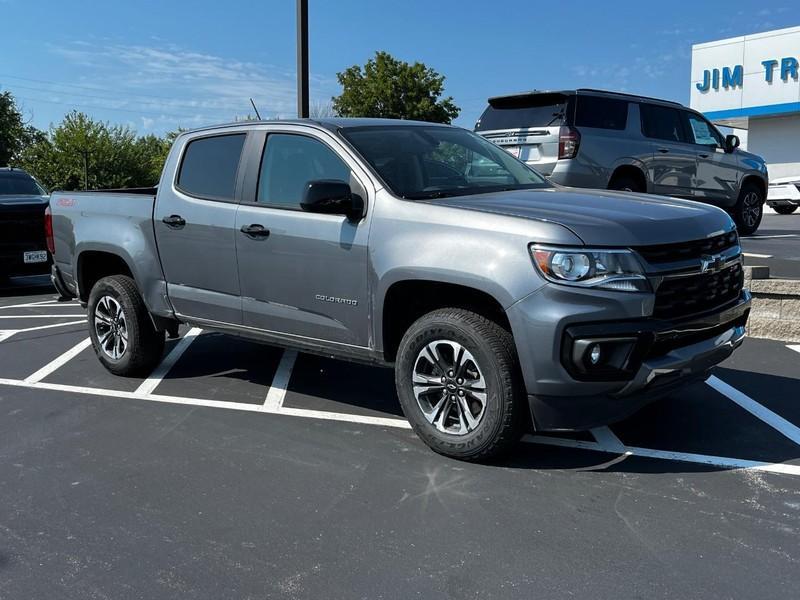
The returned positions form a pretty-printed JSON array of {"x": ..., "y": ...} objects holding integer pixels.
[
  {"x": 111, "y": 327},
  {"x": 751, "y": 209},
  {"x": 449, "y": 387}
]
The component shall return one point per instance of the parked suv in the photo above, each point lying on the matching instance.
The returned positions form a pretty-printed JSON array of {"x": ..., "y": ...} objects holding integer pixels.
[
  {"x": 22, "y": 225},
  {"x": 597, "y": 139}
]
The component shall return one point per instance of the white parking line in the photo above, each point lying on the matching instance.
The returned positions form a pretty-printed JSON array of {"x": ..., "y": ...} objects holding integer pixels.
[
  {"x": 280, "y": 381},
  {"x": 751, "y": 255},
  {"x": 151, "y": 383},
  {"x": 762, "y": 412},
  {"x": 795, "y": 347},
  {"x": 59, "y": 362},
  {"x": 771, "y": 237},
  {"x": 7, "y": 333},
  {"x": 703, "y": 459},
  {"x": 608, "y": 440},
  {"x": 4, "y": 335},
  {"x": 33, "y": 304},
  {"x": 41, "y": 316}
]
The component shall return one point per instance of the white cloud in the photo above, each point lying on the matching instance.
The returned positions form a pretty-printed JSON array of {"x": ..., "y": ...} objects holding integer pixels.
[{"x": 170, "y": 86}]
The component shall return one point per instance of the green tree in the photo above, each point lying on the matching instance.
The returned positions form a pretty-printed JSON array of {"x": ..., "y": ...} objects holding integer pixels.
[
  {"x": 112, "y": 156},
  {"x": 15, "y": 134},
  {"x": 391, "y": 88}
]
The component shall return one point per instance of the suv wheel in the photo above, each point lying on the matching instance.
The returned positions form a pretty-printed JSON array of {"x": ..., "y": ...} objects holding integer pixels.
[
  {"x": 749, "y": 209},
  {"x": 123, "y": 335},
  {"x": 785, "y": 209},
  {"x": 625, "y": 183},
  {"x": 457, "y": 380}
]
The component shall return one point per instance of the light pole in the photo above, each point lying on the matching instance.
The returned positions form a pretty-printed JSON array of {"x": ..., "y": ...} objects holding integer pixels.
[{"x": 302, "y": 59}]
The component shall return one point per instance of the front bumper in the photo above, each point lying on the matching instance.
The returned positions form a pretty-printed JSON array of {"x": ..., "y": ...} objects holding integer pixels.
[
  {"x": 668, "y": 354},
  {"x": 783, "y": 194}
]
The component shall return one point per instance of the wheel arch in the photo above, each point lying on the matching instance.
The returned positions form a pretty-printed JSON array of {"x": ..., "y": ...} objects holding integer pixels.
[{"x": 631, "y": 169}]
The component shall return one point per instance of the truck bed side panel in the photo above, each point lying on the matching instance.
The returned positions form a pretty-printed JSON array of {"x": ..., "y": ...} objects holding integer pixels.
[{"x": 116, "y": 223}]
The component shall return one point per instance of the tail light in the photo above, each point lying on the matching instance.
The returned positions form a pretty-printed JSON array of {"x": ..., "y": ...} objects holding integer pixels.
[
  {"x": 48, "y": 231},
  {"x": 569, "y": 139}
]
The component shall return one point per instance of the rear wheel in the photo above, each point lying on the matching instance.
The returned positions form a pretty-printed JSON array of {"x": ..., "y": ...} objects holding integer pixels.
[
  {"x": 626, "y": 183},
  {"x": 122, "y": 333},
  {"x": 749, "y": 209},
  {"x": 785, "y": 209},
  {"x": 458, "y": 383}
]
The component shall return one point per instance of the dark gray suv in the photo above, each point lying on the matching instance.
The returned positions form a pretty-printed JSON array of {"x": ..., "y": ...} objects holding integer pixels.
[{"x": 608, "y": 140}]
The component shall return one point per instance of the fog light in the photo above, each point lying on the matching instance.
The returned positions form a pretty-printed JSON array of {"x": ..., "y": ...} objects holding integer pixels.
[{"x": 594, "y": 355}]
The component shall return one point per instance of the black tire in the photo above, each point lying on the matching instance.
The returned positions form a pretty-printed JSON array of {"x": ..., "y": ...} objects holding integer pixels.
[
  {"x": 626, "y": 183},
  {"x": 504, "y": 413},
  {"x": 785, "y": 209},
  {"x": 749, "y": 209},
  {"x": 144, "y": 345}
]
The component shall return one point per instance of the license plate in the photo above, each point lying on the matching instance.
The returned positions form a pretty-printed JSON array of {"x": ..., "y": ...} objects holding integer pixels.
[
  {"x": 512, "y": 150},
  {"x": 34, "y": 257}
]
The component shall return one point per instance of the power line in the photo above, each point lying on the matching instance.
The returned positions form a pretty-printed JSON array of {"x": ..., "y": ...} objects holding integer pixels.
[{"x": 127, "y": 110}]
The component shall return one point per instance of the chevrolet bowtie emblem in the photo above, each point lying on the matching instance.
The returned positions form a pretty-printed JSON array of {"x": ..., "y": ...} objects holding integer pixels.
[{"x": 711, "y": 264}]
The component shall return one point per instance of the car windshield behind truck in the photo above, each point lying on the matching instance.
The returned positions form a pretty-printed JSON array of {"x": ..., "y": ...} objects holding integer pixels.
[
  {"x": 418, "y": 162},
  {"x": 523, "y": 111},
  {"x": 18, "y": 184}
]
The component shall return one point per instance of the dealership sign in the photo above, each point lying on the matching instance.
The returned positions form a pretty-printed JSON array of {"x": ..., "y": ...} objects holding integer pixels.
[{"x": 728, "y": 77}]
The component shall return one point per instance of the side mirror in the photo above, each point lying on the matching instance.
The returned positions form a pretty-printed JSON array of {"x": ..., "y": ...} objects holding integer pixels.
[
  {"x": 332, "y": 197},
  {"x": 731, "y": 142}
]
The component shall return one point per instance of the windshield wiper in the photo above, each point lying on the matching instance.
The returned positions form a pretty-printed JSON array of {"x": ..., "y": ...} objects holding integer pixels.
[{"x": 429, "y": 195}]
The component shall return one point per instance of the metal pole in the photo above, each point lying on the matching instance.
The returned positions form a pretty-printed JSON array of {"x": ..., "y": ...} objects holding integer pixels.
[
  {"x": 85, "y": 169},
  {"x": 302, "y": 59}
]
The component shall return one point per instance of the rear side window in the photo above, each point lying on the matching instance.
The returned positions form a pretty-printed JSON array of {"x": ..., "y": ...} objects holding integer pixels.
[
  {"x": 662, "y": 123},
  {"x": 289, "y": 163},
  {"x": 537, "y": 110},
  {"x": 601, "y": 113},
  {"x": 209, "y": 166}
]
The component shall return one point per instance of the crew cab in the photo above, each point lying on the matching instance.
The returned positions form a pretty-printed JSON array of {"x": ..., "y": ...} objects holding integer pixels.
[
  {"x": 23, "y": 203},
  {"x": 502, "y": 301}
]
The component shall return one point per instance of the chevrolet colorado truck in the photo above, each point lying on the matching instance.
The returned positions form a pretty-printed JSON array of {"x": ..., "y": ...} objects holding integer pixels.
[{"x": 502, "y": 301}]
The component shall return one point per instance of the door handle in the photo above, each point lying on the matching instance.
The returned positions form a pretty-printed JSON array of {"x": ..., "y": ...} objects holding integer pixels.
[
  {"x": 255, "y": 231},
  {"x": 703, "y": 155},
  {"x": 174, "y": 221},
  {"x": 663, "y": 150}
]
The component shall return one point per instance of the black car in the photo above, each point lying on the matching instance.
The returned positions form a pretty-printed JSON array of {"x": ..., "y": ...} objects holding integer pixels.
[{"x": 23, "y": 244}]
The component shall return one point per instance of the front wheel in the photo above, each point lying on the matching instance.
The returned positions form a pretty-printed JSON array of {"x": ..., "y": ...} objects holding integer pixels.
[
  {"x": 122, "y": 333},
  {"x": 785, "y": 209},
  {"x": 749, "y": 209},
  {"x": 457, "y": 380}
]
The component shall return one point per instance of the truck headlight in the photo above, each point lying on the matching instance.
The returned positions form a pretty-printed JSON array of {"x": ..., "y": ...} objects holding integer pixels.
[{"x": 617, "y": 270}]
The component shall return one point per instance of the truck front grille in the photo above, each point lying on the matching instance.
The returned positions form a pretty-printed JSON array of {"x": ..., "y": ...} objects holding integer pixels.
[
  {"x": 669, "y": 253},
  {"x": 683, "y": 296}
]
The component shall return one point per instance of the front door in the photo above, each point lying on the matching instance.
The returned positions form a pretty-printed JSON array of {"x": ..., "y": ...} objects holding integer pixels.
[
  {"x": 194, "y": 225},
  {"x": 302, "y": 274},
  {"x": 672, "y": 164},
  {"x": 717, "y": 170}
]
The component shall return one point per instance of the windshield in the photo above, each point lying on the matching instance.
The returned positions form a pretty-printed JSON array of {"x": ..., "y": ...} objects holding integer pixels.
[
  {"x": 419, "y": 161},
  {"x": 520, "y": 112},
  {"x": 19, "y": 185}
]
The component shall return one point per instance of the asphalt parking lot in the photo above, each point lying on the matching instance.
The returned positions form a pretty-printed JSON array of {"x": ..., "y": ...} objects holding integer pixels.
[
  {"x": 777, "y": 244},
  {"x": 241, "y": 471}
]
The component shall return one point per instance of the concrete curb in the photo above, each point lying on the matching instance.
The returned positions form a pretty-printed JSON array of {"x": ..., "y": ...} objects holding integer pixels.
[{"x": 776, "y": 306}]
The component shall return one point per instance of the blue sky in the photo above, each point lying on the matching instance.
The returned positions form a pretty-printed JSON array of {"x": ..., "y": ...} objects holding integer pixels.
[{"x": 159, "y": 65}]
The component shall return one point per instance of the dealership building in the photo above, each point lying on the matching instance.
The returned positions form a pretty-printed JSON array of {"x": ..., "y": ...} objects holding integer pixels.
[{"x": 751, "y": 83}]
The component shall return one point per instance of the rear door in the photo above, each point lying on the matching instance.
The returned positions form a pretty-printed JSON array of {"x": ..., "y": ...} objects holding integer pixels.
[
  {"x": 194, "y": 224},
  {"x": 527, "y": 126},
  {"x": 672, "y": 164},
  {"x": 717, "y": 170},
  {"x": 302, "y": 274}
]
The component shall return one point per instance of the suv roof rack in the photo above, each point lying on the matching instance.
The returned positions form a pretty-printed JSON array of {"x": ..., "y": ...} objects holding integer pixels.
[{"x": 626, "y": 95}]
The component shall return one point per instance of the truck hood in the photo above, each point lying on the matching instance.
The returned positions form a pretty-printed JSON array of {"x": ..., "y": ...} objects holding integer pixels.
[
  {"x": 605, "y": 218},
  {"x": 21, "y": 200}
]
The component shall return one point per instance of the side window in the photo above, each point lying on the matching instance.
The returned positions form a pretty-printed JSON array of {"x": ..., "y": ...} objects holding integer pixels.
[
  {"x": 291, "y": 161},
  {"x": 662, "y": 123},
  {"x": 702, "y": 131},
  {"x": 601, "y": 113},
  {"x": 209, "y": 166}
]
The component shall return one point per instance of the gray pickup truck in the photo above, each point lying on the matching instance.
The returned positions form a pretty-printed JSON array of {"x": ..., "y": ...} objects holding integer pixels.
[{"x": 503, "y": 301}]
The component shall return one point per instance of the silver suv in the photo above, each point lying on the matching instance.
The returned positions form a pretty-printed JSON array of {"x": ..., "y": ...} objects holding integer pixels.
[{"x": 608, "y": 140}]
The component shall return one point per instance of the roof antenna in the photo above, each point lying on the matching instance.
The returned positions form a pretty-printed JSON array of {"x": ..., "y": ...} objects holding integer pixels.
[{"x": 258, "y": 116}]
